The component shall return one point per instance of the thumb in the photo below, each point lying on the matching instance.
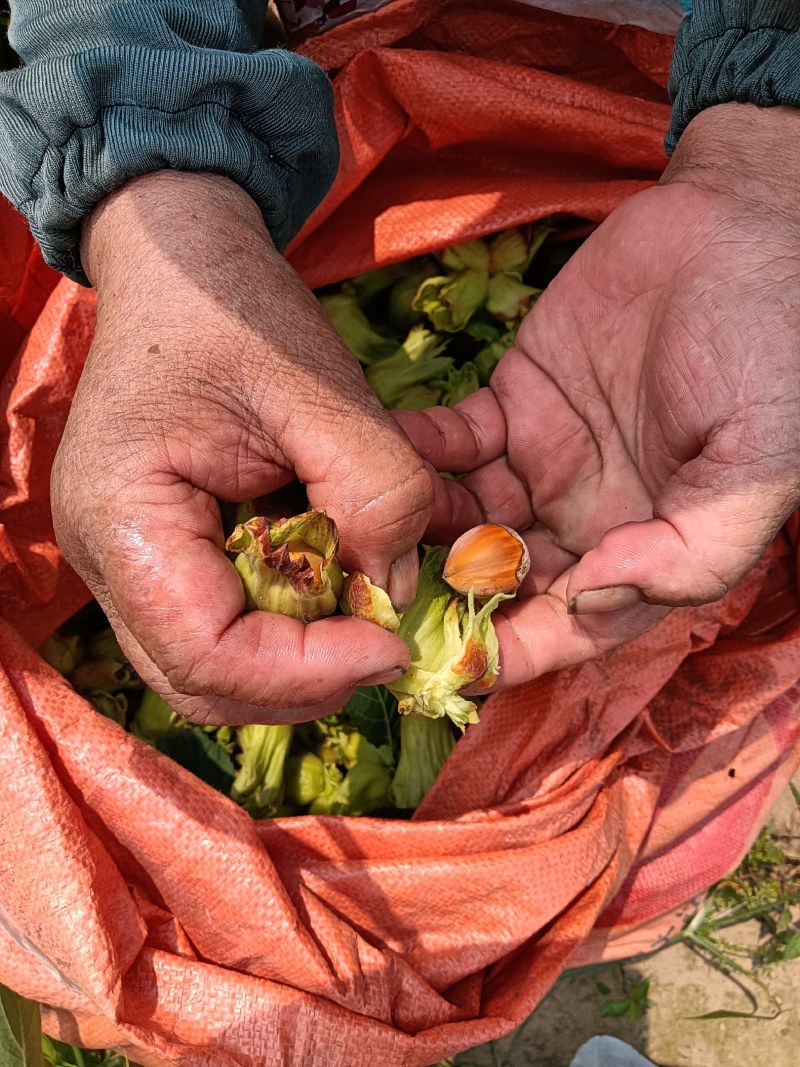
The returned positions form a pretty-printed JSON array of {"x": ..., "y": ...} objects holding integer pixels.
[
  {"x": 709, "y": 528},
  {"x": 366, "y": 474}
]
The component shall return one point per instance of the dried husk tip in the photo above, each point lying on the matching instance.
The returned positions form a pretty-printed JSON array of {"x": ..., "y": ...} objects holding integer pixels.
[
  {"x": 289, "y": 567},
  {"x": 362, "y": 599}
]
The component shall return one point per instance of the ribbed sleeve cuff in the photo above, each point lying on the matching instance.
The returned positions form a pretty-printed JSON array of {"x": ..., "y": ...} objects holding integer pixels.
[
  {"x": 734, "y": 50},
  {"x": 76, "y": 127}
]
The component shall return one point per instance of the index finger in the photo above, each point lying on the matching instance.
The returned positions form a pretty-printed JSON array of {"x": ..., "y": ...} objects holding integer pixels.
[{"x": 458, "y": 439}]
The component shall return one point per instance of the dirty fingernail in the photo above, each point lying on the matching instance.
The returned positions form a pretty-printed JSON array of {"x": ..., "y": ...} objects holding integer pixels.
[
  {"x": 383, "y": 677},
  {"x": 403, "y": 576},
  {"x": 612, "y": 598}
]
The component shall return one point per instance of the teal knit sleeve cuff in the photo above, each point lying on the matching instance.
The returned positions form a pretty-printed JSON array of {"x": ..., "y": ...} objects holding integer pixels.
[
  {"x": 120, "y": 88},
  {"x": 734, "y": 50}
]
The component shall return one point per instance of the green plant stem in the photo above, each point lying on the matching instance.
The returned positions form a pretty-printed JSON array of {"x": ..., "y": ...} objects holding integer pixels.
[
  {"x": 385, "y": 710},
  {"x": 764, "y": 909},
  {"x": 726, "y": 963}
]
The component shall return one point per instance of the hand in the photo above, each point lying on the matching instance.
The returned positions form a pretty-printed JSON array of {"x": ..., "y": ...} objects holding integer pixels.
[
  {"x": 645, "y": 430},
  {"x": 215, "y": 374}
]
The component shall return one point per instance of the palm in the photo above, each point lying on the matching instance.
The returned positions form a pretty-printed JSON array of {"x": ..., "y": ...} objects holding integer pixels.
[
  {"x": 648, "y": 349},
  {"x": 657, "y": 376}
]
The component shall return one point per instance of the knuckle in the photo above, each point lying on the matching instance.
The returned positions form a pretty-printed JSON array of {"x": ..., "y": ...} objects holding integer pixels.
[
  {"x": 421, "y": 490},
  {"x": 188, "y": 675},
  {"x": 403, "y": 507},
  {"x": 711, "y": 586},
  {"x": 414, "y": 507}
]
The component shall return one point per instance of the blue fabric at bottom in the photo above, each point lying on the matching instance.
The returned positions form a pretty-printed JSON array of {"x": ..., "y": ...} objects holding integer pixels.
[{"x": 608, "y": 1052}]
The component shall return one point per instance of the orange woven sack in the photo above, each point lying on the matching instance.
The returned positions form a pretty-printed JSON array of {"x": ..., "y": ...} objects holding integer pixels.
[{"x": 151, "y": 914}]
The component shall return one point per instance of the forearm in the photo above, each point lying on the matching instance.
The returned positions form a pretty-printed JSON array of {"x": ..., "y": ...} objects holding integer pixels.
[
  {"x": 113, "y": 90},
  {"x": 745, "y": 51}
]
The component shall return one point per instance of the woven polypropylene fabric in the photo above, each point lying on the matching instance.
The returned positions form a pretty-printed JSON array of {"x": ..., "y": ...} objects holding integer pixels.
[
  {"x": 151, "y": 914},
  {"x": 459, "y": 120}
]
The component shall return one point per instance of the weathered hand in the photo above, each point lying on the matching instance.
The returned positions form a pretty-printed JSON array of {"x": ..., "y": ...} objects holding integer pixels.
[
  {"x": 645, "y": 430},
  {"x": 214, "y": 374}
]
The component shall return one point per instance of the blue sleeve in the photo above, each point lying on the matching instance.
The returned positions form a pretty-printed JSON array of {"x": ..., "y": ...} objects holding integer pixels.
[
  {"x": 113, "y": 89},
  {"x": 734, "y": 50}
]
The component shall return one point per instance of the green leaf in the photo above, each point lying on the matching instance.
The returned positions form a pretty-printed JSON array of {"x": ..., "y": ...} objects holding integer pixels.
[
  {"x": 784, "y": 920},
  {"x": 639, "y": 992},
  {"x": 57, "y": 1053},
  {"x": 792, "y": 949},
  {"x": 633, "y": 1005},
  {"x": 602, "y": 988},
  {"x": 483, "y": 331},
  {"x": 615, "y": 1009},
  {"x": 373, "y": 711},
  {"x": 795, "y": 793},
  {"x": 60, "y": 1054},
  {"x": 200, "y": 754},
  {"x": 20, "y": 1031},
  {"x": 764, "y": 852}
]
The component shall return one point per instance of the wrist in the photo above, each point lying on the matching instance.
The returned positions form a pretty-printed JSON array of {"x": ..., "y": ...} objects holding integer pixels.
[
  {"x": 169, "y": 219},
  {"x": 742, "y": 150}
]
